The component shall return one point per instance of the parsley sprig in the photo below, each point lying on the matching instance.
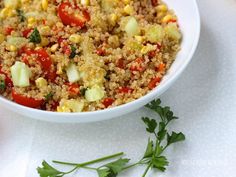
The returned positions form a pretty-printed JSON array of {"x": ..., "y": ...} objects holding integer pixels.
[{"x": 153, "y": 157}]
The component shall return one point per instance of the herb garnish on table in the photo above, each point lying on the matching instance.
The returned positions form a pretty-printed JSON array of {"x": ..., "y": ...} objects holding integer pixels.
[{"x": 153, "y": 157}]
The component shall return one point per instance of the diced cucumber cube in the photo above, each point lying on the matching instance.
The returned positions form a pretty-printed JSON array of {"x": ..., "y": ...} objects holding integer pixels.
[
  {"x": 76, "y": 106},
  {"x": 20, "y": 73},
  {"x": 173, "y": 31},
  {"x": 72, "y": 73},
  {"x": 95, "y": 93},
  {"x": 155, "y": 33},
  {"x": 16, "y": 41},
  {"x": 24, "y": 78},
  {"x": 70, "y": 105},
  {"x": 132, "y": 27}
]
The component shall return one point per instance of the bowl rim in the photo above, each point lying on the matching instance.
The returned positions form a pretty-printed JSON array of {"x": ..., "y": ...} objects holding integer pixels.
[{"x": 149, "y": 96}]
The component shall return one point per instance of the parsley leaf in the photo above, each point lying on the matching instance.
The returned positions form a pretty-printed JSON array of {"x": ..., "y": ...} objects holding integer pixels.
[
  {"x": 162, "y": 131},
  {"x": 160, "y": 163},
  {"x": 103, "y": 172},
  {"x": 113, "y": 168},
  {"x": 149, "y": 149},
  {"x": 151, "y": 124},
  {"x": 35, "y": 36},
  {"x": 48, "y": 171},
  {"x": 154, "y": 104},
  {"x": 164, "y": 112},
  {"x": 117, "y": 165},
  {"x": 106, "y": 173},
  {"x": 175, "y": 137},
  {"x": 159, "y": 149}
]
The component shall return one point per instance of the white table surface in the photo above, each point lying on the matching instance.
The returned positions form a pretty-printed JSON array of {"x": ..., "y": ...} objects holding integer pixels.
[{"x": 204, "y": 98}]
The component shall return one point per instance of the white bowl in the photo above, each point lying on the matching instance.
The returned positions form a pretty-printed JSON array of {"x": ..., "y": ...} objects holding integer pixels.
[{"x": 189, "y": 20}]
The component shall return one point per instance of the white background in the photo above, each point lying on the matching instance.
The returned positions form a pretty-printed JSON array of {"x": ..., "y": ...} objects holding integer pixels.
[{"x": 204, "y": 98}]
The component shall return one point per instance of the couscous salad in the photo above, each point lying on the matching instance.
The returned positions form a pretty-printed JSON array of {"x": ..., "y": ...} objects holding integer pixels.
[{"x": 84, "y": 55}]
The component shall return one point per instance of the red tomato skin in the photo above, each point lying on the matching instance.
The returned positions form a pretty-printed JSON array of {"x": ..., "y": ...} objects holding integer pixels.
[
  {"x": 44, "y": 21},
  {"x": 161, "y": 67},
  {"x": 107, "y": 102},
  {"x": 8, "y": 81},
  {"x": 54, "y": 106},
  {"x": 60, "y": 40},
  {"x": 26, "y": 101},
  {"x": 51, "y": 75},
  {"x": 25, "y": 60},
  {"x": 9, "y": 30},
  {"x": 172, "y": 21},
  {"x": 44, "y": 59},
  {"x": 26, "y": 32},
  {"x": 125, "y": 90},
  {"x": 25, "y": 50},
  {"x": 73, "y": 89},
  {"x": 152, "y": 54},
  {"x": 66, "y": 49},
  {"x": 153, "y": 83},
  {"x": 86, "y": 15},
  {"x": 100, "y": 52},
  {"x": 71, "y": 19},
  {"x": 154, "y": 2},
  {"x": 121, "y": 63}
]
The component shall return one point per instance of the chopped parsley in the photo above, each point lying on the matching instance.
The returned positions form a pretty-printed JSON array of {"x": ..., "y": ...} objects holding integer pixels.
[
  {"x": 48, "y": 97},
  {"x": 35, "y": 36},
  {"x": 73, "y": 52},
  {"x": 2, "y": 86},
  {"x": 20, "y": 14},
  {"x": 82, "y": 91},
  {"x": 107, "y": 76}
]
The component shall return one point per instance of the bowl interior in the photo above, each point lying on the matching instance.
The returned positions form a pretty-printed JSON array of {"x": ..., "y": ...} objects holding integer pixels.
[{"x": 189, "y": 21}]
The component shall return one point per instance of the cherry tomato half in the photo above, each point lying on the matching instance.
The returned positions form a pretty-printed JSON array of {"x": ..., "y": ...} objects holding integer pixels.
[
  {"x": 107, "y": 102},
  {"x": 73, "y": 18},
  {"x": 44, "y": 59},
  {"x": 26, "y": 101}
]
